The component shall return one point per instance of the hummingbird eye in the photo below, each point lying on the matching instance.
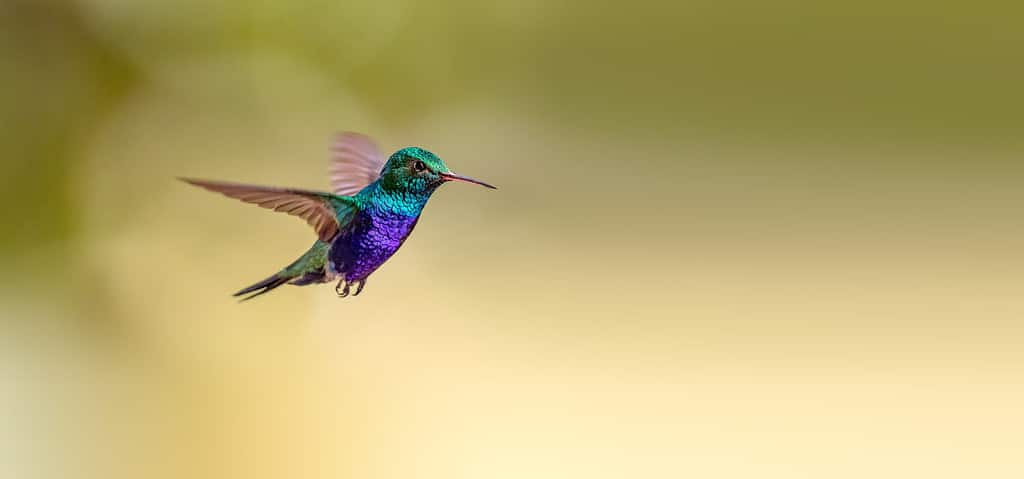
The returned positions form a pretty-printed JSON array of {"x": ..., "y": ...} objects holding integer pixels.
[{"x": 419, "y": 166}]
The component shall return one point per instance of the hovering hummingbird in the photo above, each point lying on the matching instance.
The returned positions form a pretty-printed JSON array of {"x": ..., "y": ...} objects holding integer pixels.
[{"x": 375, "y": 204}]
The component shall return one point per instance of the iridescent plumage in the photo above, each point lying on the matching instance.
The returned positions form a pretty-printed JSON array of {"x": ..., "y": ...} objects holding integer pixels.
[{"x": 375, "y": 205}]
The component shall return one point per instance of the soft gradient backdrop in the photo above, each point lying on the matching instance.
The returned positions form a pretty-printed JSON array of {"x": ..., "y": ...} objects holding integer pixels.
[{"x": 733, "y": 239}]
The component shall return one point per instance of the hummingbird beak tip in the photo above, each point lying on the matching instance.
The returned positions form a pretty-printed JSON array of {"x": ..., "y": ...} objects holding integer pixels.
[{"x": 455, "y": 177}]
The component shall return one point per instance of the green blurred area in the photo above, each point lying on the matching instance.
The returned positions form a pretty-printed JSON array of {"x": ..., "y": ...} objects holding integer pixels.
[
  {"x": 865, "y": 74},
  {"x": 732, "y": 239}
]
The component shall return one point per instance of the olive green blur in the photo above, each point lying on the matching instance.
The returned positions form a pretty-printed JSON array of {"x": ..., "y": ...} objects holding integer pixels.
[{"x": 733, "y": 239}]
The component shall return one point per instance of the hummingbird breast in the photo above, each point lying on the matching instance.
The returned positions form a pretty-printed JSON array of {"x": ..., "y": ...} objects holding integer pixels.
[{"x": 372, "y": 238}]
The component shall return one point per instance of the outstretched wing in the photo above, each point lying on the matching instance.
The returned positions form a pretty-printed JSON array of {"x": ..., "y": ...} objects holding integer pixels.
[
  {"x": 355, "y": 163},
  {"x": 319, "y": 209}
]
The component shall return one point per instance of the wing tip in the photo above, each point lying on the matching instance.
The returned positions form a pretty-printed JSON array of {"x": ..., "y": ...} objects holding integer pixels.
[{"x": 196, "y": 181}]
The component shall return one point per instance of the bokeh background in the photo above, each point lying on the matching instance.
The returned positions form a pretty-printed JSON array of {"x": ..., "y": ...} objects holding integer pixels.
[{"x": 733, "y": 239}]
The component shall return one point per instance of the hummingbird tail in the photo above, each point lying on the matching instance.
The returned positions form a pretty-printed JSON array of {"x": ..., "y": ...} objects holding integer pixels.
[
  {"x": 308, "y": 269},
  {"x": 263, "y": 286}
]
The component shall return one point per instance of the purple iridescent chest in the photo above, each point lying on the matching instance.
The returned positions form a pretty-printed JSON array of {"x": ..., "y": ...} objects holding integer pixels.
[{"x": 372, "y": 238}]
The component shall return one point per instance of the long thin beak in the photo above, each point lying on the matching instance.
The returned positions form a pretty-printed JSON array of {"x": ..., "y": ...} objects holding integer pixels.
[{"x": 453, "y": 177}]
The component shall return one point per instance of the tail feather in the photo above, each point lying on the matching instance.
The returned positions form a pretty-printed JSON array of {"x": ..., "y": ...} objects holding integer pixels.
[
  {"x": 263, "y": 286},
  {"x": 308, "y": 269}
]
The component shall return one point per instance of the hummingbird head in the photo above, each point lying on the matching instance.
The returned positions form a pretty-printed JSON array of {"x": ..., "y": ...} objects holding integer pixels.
[{"x": 419, "y": 172}]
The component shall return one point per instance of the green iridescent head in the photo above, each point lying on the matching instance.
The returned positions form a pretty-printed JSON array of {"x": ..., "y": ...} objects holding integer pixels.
[{"x": 418, "y": 171}]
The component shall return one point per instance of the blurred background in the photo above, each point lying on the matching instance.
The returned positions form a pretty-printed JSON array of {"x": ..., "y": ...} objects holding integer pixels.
[{"x": 732, "y": 239}]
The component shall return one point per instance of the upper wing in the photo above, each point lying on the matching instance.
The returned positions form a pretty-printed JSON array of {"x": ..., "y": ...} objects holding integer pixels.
[
  {"x": 355, "y": 163},
  {"x": 320, "y": 210}
]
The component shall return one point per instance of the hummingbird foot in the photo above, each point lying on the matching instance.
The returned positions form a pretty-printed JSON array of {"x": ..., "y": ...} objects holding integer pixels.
[
  {"x": 359, "y": 289},
  {"x": 342, "y": 292}
]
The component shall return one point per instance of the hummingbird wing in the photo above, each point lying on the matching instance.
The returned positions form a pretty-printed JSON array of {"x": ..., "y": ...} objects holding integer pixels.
[
  {"x": 355, "y": 163},
  {"x": 320, "y": 210}
]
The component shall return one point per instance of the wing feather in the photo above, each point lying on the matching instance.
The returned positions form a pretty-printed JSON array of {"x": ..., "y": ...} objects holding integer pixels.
[
  {"x": 355, "y": 163},
  {"x": 315, "y": 207}
]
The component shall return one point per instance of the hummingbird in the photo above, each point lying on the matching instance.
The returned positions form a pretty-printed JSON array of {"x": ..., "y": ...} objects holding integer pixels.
[{"x": 374, "y": 205}]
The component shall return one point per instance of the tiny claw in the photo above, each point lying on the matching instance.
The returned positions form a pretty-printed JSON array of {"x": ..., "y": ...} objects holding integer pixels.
[
  {"x": 359, "y": 288},
  {"x": 342, "y": 292}
]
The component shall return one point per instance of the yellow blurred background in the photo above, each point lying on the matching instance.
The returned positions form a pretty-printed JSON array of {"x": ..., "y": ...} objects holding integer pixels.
[{"x": 732, "y": 239}]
